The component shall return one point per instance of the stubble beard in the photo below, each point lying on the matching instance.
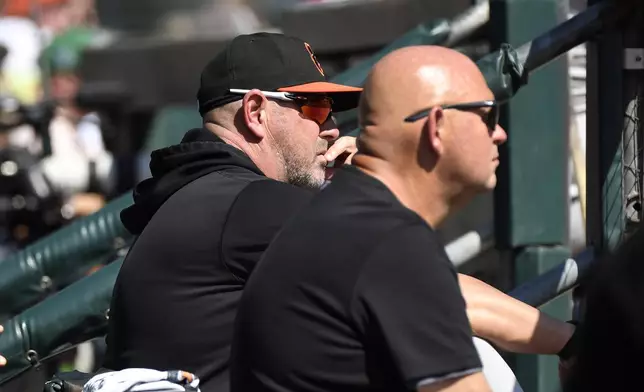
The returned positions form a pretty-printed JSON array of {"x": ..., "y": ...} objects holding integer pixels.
[{"x": 300, "y": 171}]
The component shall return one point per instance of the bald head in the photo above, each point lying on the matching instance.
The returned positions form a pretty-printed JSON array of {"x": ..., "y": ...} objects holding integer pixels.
[
  {"x": 445, "y": 155},
  {"x": 413, "y": 78}
]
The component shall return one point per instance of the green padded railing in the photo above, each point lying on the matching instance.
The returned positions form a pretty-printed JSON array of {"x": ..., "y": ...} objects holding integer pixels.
[
  {"x": 434, "y": 32},
  {"x": 28, "y": 275},
  {"x": 71, "y": 316},
  {"x": 431, "y": 33},
  {"x": 506, "y": 70}
]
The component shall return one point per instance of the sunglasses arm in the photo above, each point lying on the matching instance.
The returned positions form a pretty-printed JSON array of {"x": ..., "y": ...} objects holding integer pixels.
[{"x": 267, "y": 94}]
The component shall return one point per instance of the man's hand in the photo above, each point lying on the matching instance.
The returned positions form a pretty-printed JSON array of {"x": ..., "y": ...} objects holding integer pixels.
[
  {"x": 340, "y": 153},
  {"x": 3, "y": 360}
]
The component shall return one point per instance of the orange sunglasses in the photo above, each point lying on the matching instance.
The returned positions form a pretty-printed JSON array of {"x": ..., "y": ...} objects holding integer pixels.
[{"x": 314, "y": 107}]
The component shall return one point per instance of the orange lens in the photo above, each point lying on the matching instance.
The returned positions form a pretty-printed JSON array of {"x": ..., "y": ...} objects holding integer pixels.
[
  {"x": 316, "y": 113},
  {"x": 317, "y": 110}
]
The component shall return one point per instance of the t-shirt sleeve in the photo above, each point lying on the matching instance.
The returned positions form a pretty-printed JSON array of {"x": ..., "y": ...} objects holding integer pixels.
[
  {"x": 409, "y": 307},
  {"x": 258, "y": 213}
]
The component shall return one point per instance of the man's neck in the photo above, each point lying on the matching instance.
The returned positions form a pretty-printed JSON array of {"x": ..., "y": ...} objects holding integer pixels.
[
  {"x": 259, "y": 157},
  {"x": 418, "y": 193}
]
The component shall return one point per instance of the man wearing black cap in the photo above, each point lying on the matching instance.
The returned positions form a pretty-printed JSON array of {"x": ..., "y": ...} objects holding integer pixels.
[{"x": 215, "y": 201}]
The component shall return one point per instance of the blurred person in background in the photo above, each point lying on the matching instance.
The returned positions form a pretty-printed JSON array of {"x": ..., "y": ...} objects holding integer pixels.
[
  {"x": 22, "y": 38},
  {"x": 65, "y": 142},
  {"x": 29, "y": 207},
  {"x": 51, "y": 16},
  {"x": 79, "y": 165},
  {"x": 26, "y": 28},
  {"x": 82, "y": 13}
]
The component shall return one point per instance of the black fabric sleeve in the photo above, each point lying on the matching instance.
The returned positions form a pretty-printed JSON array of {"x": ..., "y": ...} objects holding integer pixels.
[
  {"x": 409, "y": 307},
  {"x": 258, "y": 213}
]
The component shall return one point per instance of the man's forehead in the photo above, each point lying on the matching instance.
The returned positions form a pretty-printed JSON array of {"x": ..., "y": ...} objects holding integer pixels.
[
  {"x": 460, "y": 83},
  {"x": 436, "y": 78},
  {"x": 472, "y": 86}
]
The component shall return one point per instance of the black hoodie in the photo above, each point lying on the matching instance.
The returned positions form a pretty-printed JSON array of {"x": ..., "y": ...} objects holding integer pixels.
[
  {"x": 174, "y": 167},
  {"x": 203, "y": 219}
]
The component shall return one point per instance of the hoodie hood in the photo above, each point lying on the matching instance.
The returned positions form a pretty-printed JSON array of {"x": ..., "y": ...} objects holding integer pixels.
[{"x": 199, "y": 153}]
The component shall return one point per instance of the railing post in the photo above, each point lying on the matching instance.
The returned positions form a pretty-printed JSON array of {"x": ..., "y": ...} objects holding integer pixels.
[
  {"x": 615, "y": 94},
  {"x": 531, "y": 200},
  {"x": 604, "y": 121}
]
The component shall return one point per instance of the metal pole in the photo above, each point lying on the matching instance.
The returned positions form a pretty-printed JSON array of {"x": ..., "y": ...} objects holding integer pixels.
[
  {"x": 475, "y": 242},
  {"x": 467, "y": 23},
  {"x": 555, "y": 281},
  {"x": 470, "y": 245},
  {"x": 531, "y": 203},
  {"x": 507, "y": 69},
  {"x": 435, "y": 32},
  {"x": 577, "y": 30}
]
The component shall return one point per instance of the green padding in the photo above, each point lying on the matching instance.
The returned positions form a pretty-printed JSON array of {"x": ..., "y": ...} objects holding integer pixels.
[
  {"x": 28, "y": 275},
  {"x": 434, "y": 32},
  {"x": 503, "y": 72},
  {"x": 431, "y": 33},
  {"x": 170, "y": 124},
  {"x": 71, "y": 316}
]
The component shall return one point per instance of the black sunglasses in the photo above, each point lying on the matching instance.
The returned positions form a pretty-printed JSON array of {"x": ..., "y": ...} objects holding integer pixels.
[{"x": 491, "y": 117}]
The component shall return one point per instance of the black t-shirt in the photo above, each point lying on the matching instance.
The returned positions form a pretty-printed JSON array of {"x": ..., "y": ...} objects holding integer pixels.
[
  {"x": 356, "y": 293},
  {"x": 176, "y": 296}
]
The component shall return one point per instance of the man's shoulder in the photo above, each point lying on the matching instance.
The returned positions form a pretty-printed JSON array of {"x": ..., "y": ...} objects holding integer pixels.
[
  {"x": 257, "y": 214},
  {"x": 212, "y": 194},
  {"x": 415, "y": 239},
  {"x": 374, "y": 216},
  {"x": 225, "y": 182},
  {"x": 234, "y": 173}
]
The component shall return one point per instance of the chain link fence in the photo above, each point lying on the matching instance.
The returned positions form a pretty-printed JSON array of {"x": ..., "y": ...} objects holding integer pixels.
[{"x": 632, "y": 158}]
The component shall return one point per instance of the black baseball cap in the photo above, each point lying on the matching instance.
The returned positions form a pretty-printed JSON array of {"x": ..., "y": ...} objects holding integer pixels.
[{"x": 269, "y": 62}]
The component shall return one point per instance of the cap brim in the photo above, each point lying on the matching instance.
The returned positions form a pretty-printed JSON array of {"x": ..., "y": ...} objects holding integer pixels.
[
  {"x": 344, "y": 97},
  {"x": 320, "y": 88}
]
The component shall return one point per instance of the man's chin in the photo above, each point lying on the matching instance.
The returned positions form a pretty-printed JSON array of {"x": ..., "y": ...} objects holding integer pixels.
[
  {"x": 491, "y": 183},
  {"x": 480, "y": 187}
]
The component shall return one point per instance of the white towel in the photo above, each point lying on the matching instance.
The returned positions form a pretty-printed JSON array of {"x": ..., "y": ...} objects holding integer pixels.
[{"x": 136, "y": 380}]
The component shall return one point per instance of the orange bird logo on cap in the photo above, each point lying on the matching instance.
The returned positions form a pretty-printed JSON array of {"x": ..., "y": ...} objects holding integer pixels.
[{"x": 313, "y": 58}]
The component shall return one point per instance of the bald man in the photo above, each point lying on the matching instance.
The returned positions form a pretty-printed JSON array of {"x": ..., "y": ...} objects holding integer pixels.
[{"x": 356, "y": 292}]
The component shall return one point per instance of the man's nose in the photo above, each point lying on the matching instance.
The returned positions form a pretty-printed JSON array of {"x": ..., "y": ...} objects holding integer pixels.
[
  {"x": 329, "y": 130},
  {"x": 499, "y": 136}
]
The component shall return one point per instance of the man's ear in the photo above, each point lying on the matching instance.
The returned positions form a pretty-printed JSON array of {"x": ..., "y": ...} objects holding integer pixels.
[
  {"x": 435, "y": 130},
  {"x": 254, "y": 107}
]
